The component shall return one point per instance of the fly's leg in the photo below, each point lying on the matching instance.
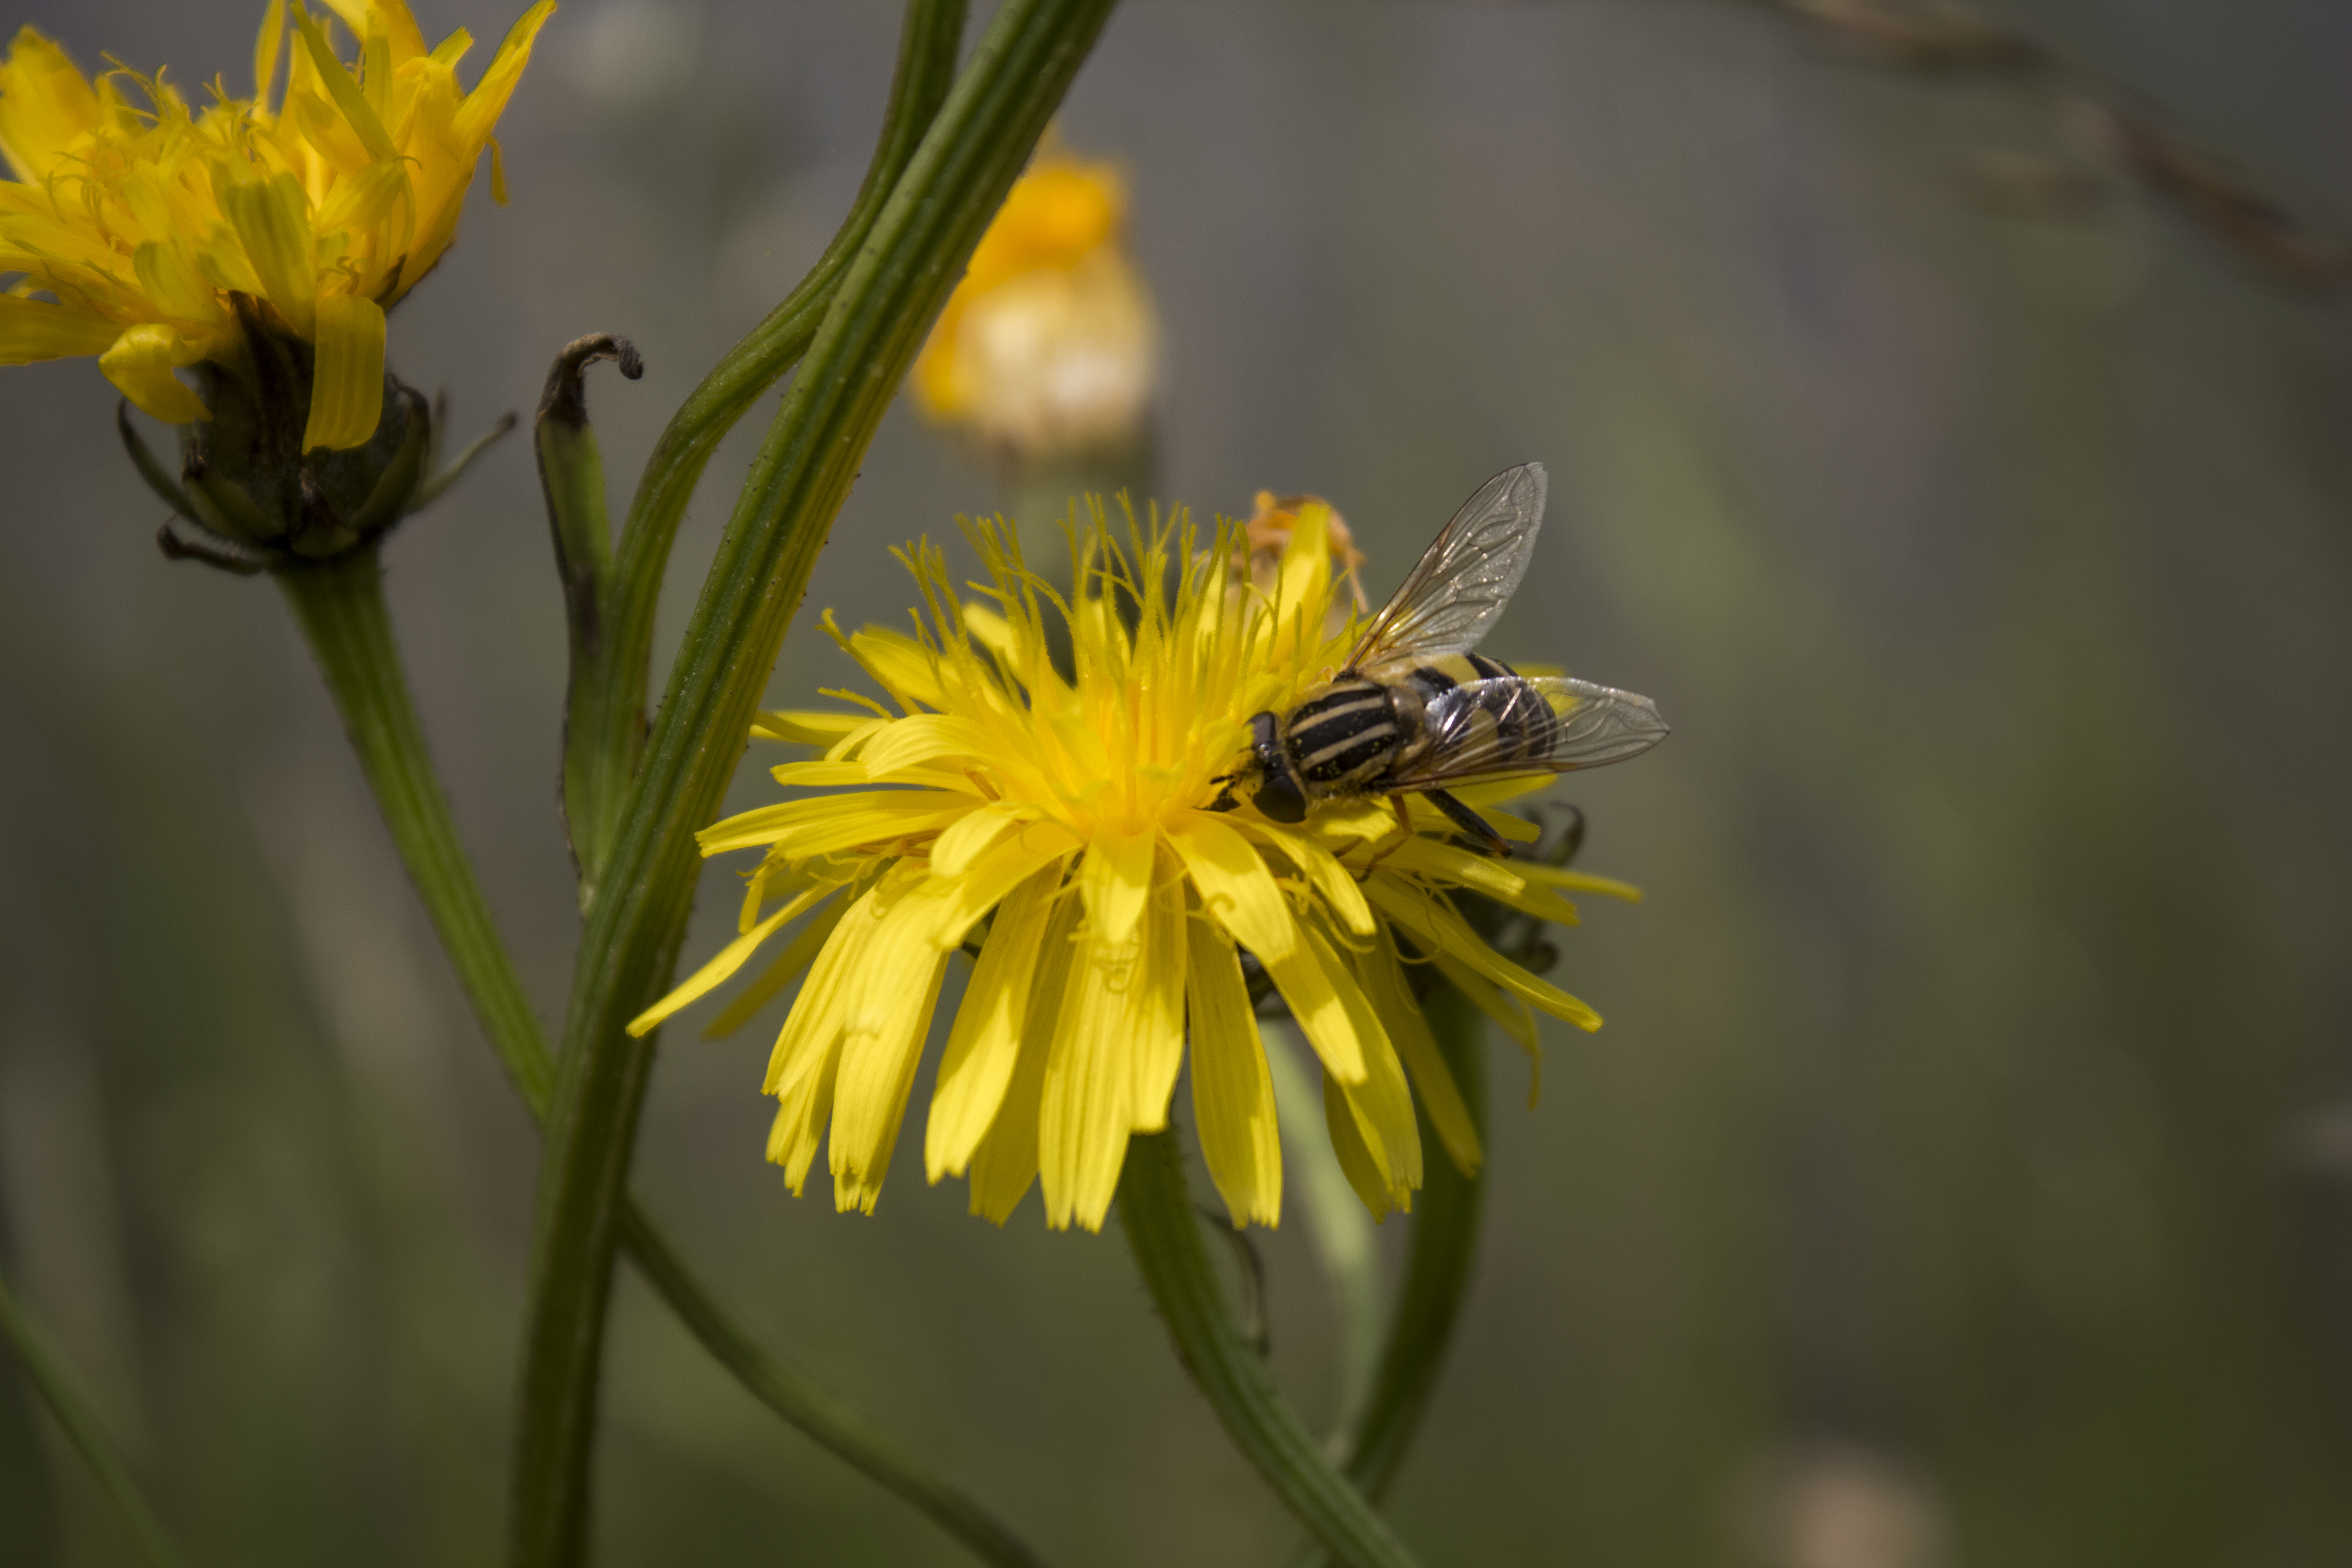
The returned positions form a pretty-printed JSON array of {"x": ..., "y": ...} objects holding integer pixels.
[
  {"x": 1403, "y": 836},
  {"x": 1469, "y": 822}
]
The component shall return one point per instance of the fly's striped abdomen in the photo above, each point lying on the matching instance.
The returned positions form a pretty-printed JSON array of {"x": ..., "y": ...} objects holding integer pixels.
[
  {"x": 1343, "y": 736},
  {"x": 1507, "y": 720}
]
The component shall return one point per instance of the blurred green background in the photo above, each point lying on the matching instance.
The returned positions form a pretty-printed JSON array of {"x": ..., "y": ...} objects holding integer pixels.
[{"x": 1965, "y": 1174}]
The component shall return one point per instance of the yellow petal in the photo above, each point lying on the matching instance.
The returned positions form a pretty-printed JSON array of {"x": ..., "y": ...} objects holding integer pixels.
[
  {"x": 1382, "y": 1101},
  {"x": 901, "y": 664},
  {"x": 1436, "y": 927},
  {"x": 34, "y": 329},
  {"x": 1158, "y": 1031},
  {"x": 1235, "y": 885},
  {"x": 141, "y": 362},
  {"x": 921, "y": 738},
  {"x": 1324, "y": 874},
  {"x": 169, "y": 275},
  {"x": 804, "y": 946},
  {"x": 1083, "y": 1125},
  {"x": 1515, "y": 1017},
  {"x": 46, "y": 105},
  {"x": 348, "y": 99},
  {"x": 1232, "y": 1090},
  {"x": 1496, "y": 880},
  {"x": 1356, "y": 1161},
  {"x": 879, "y": 1049},
  {"x": 802, "y": 1113},
  {"x": 272, "y": 219},
  {"x": 1384, "y": 984},
  {"x": 986, "y": 1039},
  {"x": 819, "y": 774},
  {"x": 361, "y": 202},
  {"x": 347, "y": 383},
  {"x": 711, "y": 975},
  {"x": 266, "y": 47},
  {"x": 1580, "y": 882},
  {"x": 803, "y": 829},
  {"x": 488, "y": 100},
  {"x": 956, "y": 847},
  {"x": 1006, "y": 1160},
  {"x": 1115, "y": 878},
  {"x": 962, "y": 901},
  {"x": 815, "y": 1025},
  {"x": 810, "y": 727}
]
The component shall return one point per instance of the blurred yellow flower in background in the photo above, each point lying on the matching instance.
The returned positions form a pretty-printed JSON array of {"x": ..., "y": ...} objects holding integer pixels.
[
  {"x": 1049, "y": 346},
  {"x": 141, "y": 219},
  {"x": 1065, "y": 827}
]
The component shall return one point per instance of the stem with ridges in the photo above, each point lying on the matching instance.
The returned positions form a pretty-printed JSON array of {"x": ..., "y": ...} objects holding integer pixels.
[
  {"x": 886, "y": 304},
  {"x": 1155, "y": 1208},
  {"x": 340, "y": 607},
  {"x": 1437, "y": 1267}
]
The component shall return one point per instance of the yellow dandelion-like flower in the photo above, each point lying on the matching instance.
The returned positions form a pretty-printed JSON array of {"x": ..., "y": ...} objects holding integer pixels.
[
  {"x": 142, "y": 221},
  {"x": 1049, "y": 345},
  {"x": 1063, "y": 827}
]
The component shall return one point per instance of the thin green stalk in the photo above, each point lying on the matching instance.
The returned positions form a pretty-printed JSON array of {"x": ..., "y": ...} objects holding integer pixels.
[
  {"x": 1337, "y": 1223},
  {"x": 87, "y": 1434},
  {"x": 1155, "y": 1207},
  {"x": 615, "y": 682},
  {"x": 1437, "y": 1268},
  {"x": 810, "y": 1407},
  {"x": 340, "y": 607},
  {"x": 886, "y": 301}
]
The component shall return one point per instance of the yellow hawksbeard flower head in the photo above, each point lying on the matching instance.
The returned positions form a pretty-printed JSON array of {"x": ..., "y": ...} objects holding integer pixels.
[
  {"x": 1063, "y": 827},
  {"x": 1049, "y": 345},
  {"x": 148, "y": 225}
]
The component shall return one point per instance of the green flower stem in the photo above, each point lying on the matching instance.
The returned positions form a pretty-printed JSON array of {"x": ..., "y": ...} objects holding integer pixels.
[
  {"x": 893, "y": 291},
  {"x": 610, "y": 689},
  {"x": 1436, "y": 1271},
  {"x": 1155, "y": 1207},
  {"x": 87, "y": 1434},
  {"x": 1336, "y": 1224},
  {"x": 340, "y": 607}
]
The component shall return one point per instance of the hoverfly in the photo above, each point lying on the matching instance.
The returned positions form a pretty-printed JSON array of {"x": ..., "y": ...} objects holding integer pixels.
[{"x": 1415, "y": 710}]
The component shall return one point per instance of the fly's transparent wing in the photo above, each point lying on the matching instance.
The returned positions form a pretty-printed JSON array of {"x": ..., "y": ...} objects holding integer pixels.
[
  {"x": 1528, "y": 724},
  {"x": 1465, "y": 577}
]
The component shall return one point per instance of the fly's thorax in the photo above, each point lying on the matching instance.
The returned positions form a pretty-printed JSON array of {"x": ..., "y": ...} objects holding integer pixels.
[{"x": 1343, "y": 736}]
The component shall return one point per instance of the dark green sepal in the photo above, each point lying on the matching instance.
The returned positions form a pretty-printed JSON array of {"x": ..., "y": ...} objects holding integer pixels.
[
  {"x": 401, "y": 478},
  {"x": 244, "y": 480}
]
